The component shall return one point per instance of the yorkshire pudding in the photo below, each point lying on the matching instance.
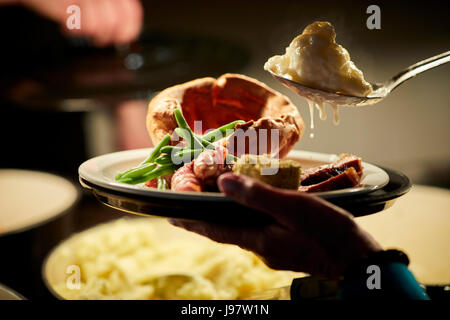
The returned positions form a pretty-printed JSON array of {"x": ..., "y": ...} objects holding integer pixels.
[{"x": 219, "y": 101}]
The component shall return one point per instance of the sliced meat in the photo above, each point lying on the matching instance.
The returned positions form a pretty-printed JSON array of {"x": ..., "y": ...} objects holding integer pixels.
[
  {"x": 184, "y": 179},
  {"x": 325, "y": 172},
  {"x": 348, "y": 160},
  {"x": 201, "y": 174},
  {"x": 210, "y": 163},
  {"x": 347, "y": 179},
  {"x": 343, "y": 173},
  {"x": 318, "y": 174},
  {"x": 267, "y": 135}
]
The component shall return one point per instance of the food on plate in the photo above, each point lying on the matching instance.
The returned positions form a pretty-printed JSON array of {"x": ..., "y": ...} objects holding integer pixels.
[
  {"x": 278, "y": 173},
  {"x": 315, "y": 59},
  {"x": 185, "y": 180},
  {"x": 122, "y": 260},
  {"x": 201, "y": 174},
  {"x": 344, "y": 173},
  {"x": 190, "y": 159},
  {"x": 217, "y": 102},
  {"x": 196, "y": 160}
]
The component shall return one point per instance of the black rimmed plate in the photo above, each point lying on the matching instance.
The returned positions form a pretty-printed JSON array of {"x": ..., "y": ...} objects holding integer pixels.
[{"x": 379, "y": 187}]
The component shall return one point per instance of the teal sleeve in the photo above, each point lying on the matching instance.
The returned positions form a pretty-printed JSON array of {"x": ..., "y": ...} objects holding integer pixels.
[{"x": 389, "y": 280}]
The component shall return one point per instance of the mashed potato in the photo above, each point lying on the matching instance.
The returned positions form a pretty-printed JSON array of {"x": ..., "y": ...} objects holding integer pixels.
[
  {"x": 120, "y": 260},
  {"x": 315, "y": 59}
]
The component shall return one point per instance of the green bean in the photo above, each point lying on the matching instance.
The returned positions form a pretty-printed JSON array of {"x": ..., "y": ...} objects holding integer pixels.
[
  {"x": 170, "y": 149},
  {"x": 197, "y": 141},
  {"x": 181, "y": 121},
  {"x": 183, "y": 133},
  {"x": 128, "y": 180},
  {"x": 136, "y": 172},
  {"x": 182, "y": 124},
  {"x": 192, "y": 152},
  {"x": 155, "y": 173},
  {"x": 173, "y": 153},
  {"x": 163, "y": 159},
  {"x": 155, "y": 152},
  {"x": 160, "y": 171},
  {"x": 162, "y": 183},
  {"x": 188, "y": 135},
  {"x": 206, "y": 143},
  {"x": 223, "y": 131}
]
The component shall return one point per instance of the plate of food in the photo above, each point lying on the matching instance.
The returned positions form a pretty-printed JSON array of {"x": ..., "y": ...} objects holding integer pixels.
[
  {"x": 207, "y": 127},
  {"x": 317, "y": 171}
]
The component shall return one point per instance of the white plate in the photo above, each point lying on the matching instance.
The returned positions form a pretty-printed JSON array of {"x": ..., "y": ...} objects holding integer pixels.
[{"x": 101, "y": 171}]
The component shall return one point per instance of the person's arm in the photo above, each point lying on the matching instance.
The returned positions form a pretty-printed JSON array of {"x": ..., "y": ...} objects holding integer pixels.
[
  {"x": 382, "y": 275},
  {"x": 104, "y": 22},
  {"x": 308, "y": 234}
]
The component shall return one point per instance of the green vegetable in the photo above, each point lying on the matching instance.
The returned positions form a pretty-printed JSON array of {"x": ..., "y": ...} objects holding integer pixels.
[
  {"x": 155, "y": 173},
  {"x": 185, "y": 131},
  {"x": 161, "y": 160},
  {"x": 206, "y": 144},
  {"x": 164, "y": 142},
  {"x": 170, "y": 149},
  {"x": 221, "y": 132},
  {"x": 162, "y": 183},
  {"x": 192, "y": 140},
  {"x": 188, "y": 154},
  {"x": 136, "y": 172},
  {"x": 181, "y": 121}
]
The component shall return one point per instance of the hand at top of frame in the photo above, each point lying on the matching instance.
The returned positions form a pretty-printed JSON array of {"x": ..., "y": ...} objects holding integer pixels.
[
  {"x": 104, "y": 22},
  {"x": 308, "y": 234}
]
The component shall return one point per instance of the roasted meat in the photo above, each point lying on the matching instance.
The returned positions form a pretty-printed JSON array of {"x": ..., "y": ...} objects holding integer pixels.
[
  {"x": 210, "y": 164},
  {"x": 201, "y": 174},
  {"x": 347, "y": 179},
  {"x": 184, "y": 179},
  {"x": 344, "y": 173}
]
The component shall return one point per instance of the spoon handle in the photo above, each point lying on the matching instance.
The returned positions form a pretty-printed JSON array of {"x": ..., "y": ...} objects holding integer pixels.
[{"x": 417, "y": 68}]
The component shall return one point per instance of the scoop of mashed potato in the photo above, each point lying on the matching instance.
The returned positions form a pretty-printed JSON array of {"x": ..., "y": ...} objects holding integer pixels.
[
  {"x": 315, "y": 59},
  {"x": 123, "y": 260}
]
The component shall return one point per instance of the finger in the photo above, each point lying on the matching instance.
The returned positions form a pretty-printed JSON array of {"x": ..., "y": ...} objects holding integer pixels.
[
  {"x": 248, "y": 238},
  {"x": 55, "y": 10},
  {"x": 132, "y": 23},
  {"x": 285, "y": 206},
  {"x": 108, "y": 17},
  {"x": 254, "y": 194},
  {"x": 89, "y": 20},
  {"x": 126, "y": 20}
]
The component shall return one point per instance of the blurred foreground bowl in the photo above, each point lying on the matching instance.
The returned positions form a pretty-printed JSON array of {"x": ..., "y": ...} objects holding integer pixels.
[
  {"x": 9, "y": 294},
  {"x": 34, "y": 216}
]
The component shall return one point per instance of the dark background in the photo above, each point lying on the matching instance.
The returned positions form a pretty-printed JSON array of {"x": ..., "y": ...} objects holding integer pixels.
[{"x": 58, "y": 96}]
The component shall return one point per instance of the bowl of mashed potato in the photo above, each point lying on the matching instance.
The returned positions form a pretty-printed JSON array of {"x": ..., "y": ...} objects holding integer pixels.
[{"x": 120, "y": 260}]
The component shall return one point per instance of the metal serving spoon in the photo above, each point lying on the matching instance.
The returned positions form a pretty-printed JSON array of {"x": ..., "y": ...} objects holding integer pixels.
[{"x": 380, "y": 90}]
